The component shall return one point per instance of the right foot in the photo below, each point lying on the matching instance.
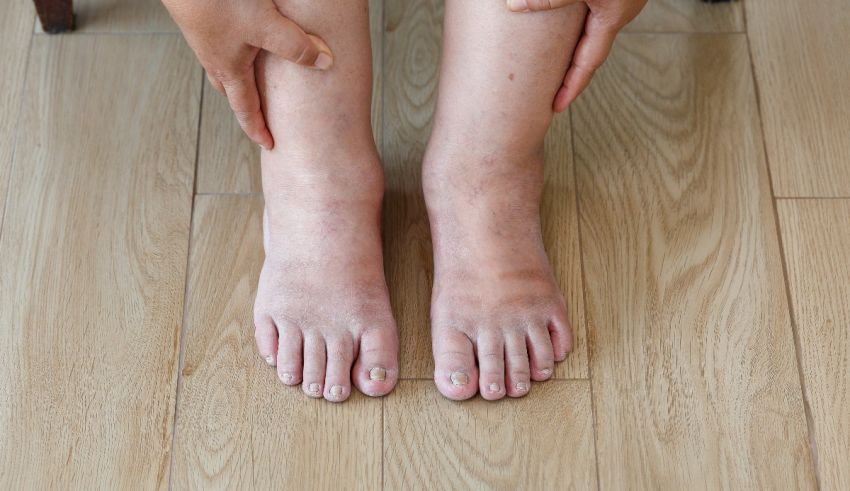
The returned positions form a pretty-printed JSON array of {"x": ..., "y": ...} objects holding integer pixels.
[{"x": 322, "y": 303}]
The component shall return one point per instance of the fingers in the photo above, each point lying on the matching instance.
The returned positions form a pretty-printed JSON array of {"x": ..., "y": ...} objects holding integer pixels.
[
  {"x": 244, "y": 100},
  {"x": 534, "y": 5},
  {"x": 592, "y": 50},
  {"x": 286, "y": 39}
]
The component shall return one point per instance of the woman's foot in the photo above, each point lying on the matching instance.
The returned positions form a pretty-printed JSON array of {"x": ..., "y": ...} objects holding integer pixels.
[
  {"x": 322, "y": 312},
  {"x": 498, "y": 319}
]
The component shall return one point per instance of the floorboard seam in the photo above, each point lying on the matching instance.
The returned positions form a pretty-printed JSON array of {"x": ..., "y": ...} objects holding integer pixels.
[
  {"x": 588, "y": 351},
  {"x": 813, "y": 448},
  {"x": 181, "y": 341}
]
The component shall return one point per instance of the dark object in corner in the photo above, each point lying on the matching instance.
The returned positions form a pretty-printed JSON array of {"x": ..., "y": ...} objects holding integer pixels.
[{"x": 55, "y": 15}]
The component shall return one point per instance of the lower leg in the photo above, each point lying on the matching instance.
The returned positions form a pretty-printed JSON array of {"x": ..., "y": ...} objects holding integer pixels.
[
  {"x": 498, "y": 317},
  {"x": 322, "y": 306}
]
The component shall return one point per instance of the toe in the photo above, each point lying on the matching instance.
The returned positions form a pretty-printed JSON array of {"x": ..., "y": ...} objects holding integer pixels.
[
  {"x": 314, "y": 365},
  {"x": 517, "y": 374},
  {"x": 340, "y": 352},
  {"x": 455, "y": 372},
  {"x": 376, "y": 369},
  {"x": 561, "y": 334},
  {"x": 265, "y": 334},
  {"x": 541, "y": 357},
  {"x": 491, "y": 365},
  {"x": 289, "y": 358}
]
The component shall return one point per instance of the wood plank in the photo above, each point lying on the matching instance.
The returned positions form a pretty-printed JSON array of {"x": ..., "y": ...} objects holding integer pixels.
[
  {"x": 689, "y": 16},
  {"x": 120, "y": 16},
  {"x": 238, "y": 427},
  {"x": 815, "y": 234},
  {"x": 694, "y": 370},
  {"x": 16, "y": 20},
  {"x": 413, "y": 32},
  {"x": 93, "y": 262},
  {"x": 800, "y": 57},
  {"x": 543, "y": 441},
  {"x": 230, "y": 163}
]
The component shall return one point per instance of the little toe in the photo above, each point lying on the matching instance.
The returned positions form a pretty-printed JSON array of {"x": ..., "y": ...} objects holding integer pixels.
[
  {"x": 491, "y": 365},
  {"x": 541, "y": 357},
  {"x": 265, "y": 335},
  {"x": 340, "y": 353},
  {"x": 376, "y": 369},
  {"x": 455, "y": 372},
  {"x": 517, "y": 371},
  {"x": 561, "y": 334},
  {"x": 314, "y": 365},
  {"x": 289, "y": 357}
]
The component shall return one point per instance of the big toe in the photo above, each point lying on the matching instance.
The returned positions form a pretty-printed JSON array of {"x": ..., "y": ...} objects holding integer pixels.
[
  {"x": 455, "y": 372},
  {"x": 376, "y": 369}
]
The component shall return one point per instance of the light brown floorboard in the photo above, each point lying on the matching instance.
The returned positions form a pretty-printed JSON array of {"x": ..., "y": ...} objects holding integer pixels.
[
  {"x": 120, "y": 17},
  {"x": 92, "y": 262},
  {"x": 542, "y": 441},
  {"x": 16, "y": 19},
  {"x": 413, "y": 38},
  {"x": 799, "y": 51},
  {"x": 694, "y": 373},
  {"x": 238, "y": 427},
  {"x": 815, "y": 235},
  {"x": 689, "y": 16}
]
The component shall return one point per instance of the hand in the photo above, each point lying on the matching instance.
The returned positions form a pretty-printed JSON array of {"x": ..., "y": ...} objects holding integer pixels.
[
  {"x": 227, "y": 35},
  {"x": 604, "y": 21}
]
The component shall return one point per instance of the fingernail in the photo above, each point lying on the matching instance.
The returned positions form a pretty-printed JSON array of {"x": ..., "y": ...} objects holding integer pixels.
[
  {"x": 494, "y": 387},
  {"x": 546, "y": 372},
  {"x": 323, "y": 61},
  {"x": 459, "y": 378},
  {"x": 270, "y": 359},
  {"x": 286, "y": 378},
  {"x": 522, "y": 386},
  {"x": 378, "y": 373},
  {"x": 518, "y": 5},
  {"x": 314, "y": 388},
  {"x": 336, "y": 391}
]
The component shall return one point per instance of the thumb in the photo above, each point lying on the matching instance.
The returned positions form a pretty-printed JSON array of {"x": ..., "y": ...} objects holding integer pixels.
[
  {"x": 286, "y": 39},
  {"x": 534, "y": 5}
]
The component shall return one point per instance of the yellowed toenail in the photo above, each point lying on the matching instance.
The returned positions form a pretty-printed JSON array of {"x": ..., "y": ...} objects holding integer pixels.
[
  {"x": 270, "y": 360},
  {"x": 378, "y": 373},
  {"x": 286, "y": 377},
  {"x": 546, "y": 371},
  {"x": 314, "y": 388},
  {"x": 494, "y": 387},
  {"x": 460, "y": 378},
  {"x": 336, "y": 391},
  {"x": 522, "y": 386}
]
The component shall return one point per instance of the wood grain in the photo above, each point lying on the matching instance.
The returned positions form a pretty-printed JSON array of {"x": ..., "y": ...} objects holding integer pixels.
[
  {"x": 689, "y": 16},
  {"x": 815, "y": 234},
  {"x": 542, "y": 441},
  {"x": 800, "y": 57},
  {"x": 238, "y": 427},
  {"x": 16, "y": 20},
  {"x": 695, "y": 379},
  {"x": 120, "y": 16},
  {"x": 92, "y": 269}
]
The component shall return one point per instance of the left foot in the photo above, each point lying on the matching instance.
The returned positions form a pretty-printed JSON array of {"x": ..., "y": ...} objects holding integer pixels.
[{"x": 498, "y": 318}]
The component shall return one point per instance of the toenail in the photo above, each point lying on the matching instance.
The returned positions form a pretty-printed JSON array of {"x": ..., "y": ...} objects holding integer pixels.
[
  {"x": 546, "y": 371},
  {"x": 270, "y": 360},
  {"x": 378, "y": 373},
  {"x": 460, "y": 378},
  {"x": 314, "y": 388},
  {"x": 336, "y": 391},
  {"x": 286, "y": 377},
  {"x": 494, "y": 387},
  {"x": 522, "y": 386}
]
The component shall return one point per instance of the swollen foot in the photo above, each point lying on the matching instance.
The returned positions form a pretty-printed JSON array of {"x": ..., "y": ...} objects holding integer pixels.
[
  {"x": 322, "y": 312},
  {"x": 498, "y": 318}
]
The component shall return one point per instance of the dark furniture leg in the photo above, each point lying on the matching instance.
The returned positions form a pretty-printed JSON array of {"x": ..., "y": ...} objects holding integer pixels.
[{"x": 56, "y": 15}]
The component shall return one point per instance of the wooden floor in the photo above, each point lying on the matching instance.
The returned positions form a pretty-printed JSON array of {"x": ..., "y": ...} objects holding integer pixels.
[{"x": 697, "y": 212}]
